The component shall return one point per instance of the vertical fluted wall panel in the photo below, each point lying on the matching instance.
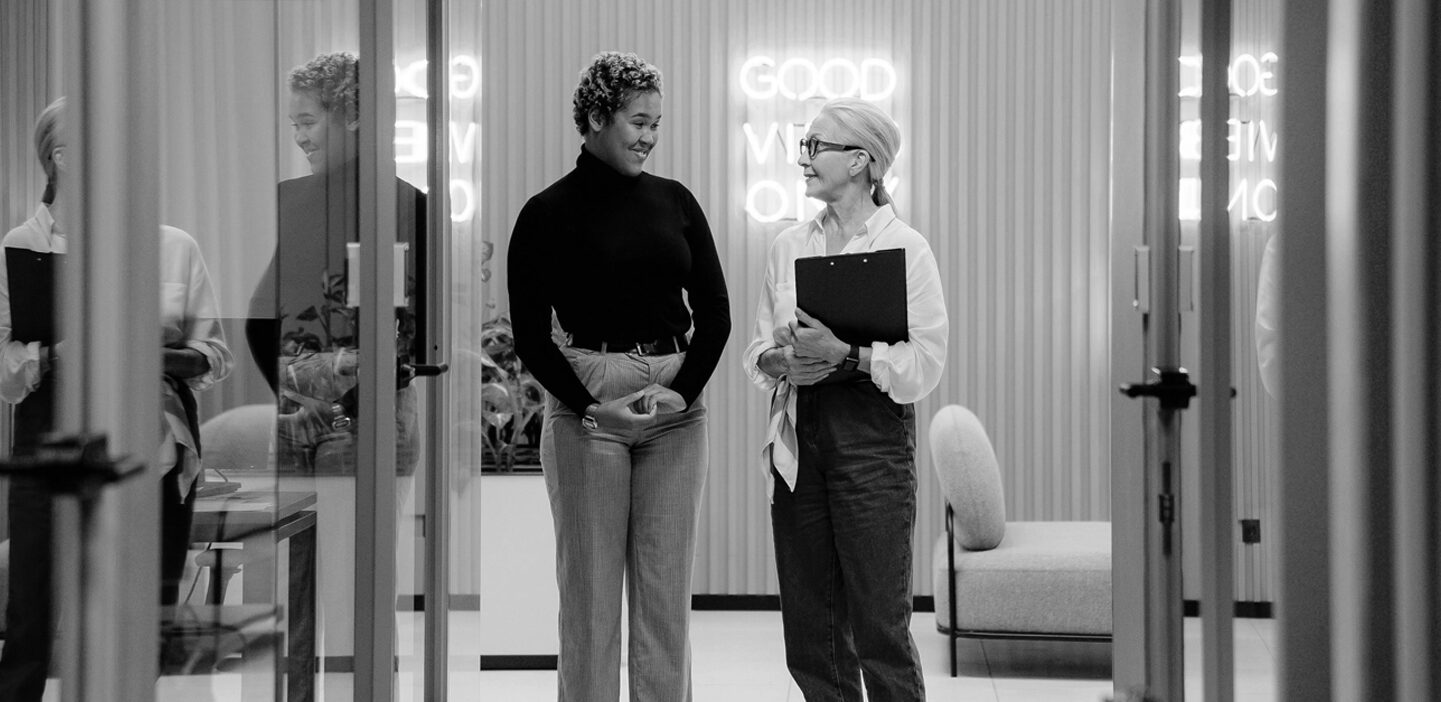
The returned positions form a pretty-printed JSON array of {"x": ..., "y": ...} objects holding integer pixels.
[
  {"x": 1256, "y": 420},
  {"x": 25, "y": 82},
  {"x": 1004, "y": 108}
]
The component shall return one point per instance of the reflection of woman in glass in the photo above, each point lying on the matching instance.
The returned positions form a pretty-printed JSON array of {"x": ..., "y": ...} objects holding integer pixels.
[
  {"x": 194, "y": 356},
  {"x": 302, "y": 331},
  {"x": 617, "y": 254},
  {"x": 841, "y": 450}
]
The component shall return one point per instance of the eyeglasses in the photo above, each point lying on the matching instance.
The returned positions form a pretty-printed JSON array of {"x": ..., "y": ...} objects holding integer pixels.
[{"x": 812, "y": 146}]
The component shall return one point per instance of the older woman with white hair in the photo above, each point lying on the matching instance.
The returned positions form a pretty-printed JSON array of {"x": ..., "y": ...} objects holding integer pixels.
[
  {"x": 193, "y": 356},
  {"x": 840, "y": 455}
]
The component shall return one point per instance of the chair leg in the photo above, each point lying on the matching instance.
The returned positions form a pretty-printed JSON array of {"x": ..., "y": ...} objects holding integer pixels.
[
  {"x": 223, "y": 564},
  {"x": 951, "y": 582}
]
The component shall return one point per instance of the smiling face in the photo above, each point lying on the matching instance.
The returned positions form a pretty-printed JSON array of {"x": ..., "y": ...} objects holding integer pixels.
[
  {"x": 625, "y": 143},
  {"x": 830, "y": 173},
  {"x": 322, "y": 134}
]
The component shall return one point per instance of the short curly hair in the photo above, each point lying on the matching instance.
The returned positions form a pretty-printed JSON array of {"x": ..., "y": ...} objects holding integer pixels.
[
  {"x": 608, "y": 83},
  {"x": 334, "y": 80}
]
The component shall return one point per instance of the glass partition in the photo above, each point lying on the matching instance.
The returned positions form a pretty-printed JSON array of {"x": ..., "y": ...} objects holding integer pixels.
[{"x": 1252, "y": 144}]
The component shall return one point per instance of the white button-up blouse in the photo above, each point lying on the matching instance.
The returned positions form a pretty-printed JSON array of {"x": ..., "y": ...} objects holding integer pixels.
[
  {"x": 189, "y": 318},
  {"x": 906, "y": 371}
]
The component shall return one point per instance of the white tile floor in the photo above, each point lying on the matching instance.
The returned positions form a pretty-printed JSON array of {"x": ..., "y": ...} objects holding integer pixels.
[{"x": 739, "y": 657}]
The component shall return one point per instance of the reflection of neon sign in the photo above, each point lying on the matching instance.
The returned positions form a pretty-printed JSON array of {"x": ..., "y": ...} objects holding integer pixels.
[
  {"x": 1249, "y": 141},
  {"x": 464, "y": 78},
  {"x": 1246, "y": 76},
  {"x": 412, "y": 139},
  {"x": 780, "y": 91}
]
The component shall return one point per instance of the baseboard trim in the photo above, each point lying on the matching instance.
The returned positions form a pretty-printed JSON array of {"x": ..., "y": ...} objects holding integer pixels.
[
  {"x": 346, "y": 664},
  {"x": 519, "y": 662},
  {"x": 772, "y": 603},
  {"x": 1244, "y": 609},
  {"x": 735, "y": 603},
  {"x": 458, "y": 603}
]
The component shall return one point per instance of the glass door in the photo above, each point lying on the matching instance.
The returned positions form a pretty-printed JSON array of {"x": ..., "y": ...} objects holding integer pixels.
[
  {"x": 260, "y": 178},
  {"x": 1229, "y": 313},
  {"x": 284, "y": 116}
]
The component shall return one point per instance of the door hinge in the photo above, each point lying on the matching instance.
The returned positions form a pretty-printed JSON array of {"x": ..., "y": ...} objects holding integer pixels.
[{"x": 1167, "y": 508}]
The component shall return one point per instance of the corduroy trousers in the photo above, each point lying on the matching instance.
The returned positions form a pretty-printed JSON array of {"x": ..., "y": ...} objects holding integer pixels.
[{"x": 625, "y": 507}]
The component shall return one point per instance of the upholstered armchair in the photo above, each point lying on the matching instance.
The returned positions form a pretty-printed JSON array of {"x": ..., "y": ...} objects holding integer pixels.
[{"x": 1009, "y": 580}]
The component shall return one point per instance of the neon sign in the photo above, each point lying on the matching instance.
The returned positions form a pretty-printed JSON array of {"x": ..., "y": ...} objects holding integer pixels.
[
  {"x": 1251, "y": 142},
  {"x": 783, "y": 97},
  {"x": 801, "y": 79},
  {"x": 412, "y": 139},
  {"x": 464, "y": 78}
]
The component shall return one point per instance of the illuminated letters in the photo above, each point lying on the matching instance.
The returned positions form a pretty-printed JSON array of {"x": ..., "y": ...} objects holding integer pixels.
[
  {"x": 1246, "y": 76},
  {"x": 762, "y": 149},
  {"x": 464, "y": 78},
  {"x": 784, "y": 96},
  {"x": 463, "y": 142},
  {"x": 411, "y": 142},
  {"x": 465, "y": 200},
  {"x": 1248, "y": 142},
  {"x": 800, "y": 79},
  {"x": 464, "y": 84}
]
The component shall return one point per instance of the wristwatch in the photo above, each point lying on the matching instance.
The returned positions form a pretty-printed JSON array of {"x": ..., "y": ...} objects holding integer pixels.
[
  {"x": 853, "y": 359},
  {"x": 587, "y": 421},
  {"x": 339, "y": 420}
]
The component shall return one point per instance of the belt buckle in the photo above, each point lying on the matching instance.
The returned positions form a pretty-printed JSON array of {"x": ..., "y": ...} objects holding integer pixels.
[{"x": 646, "y": 349}]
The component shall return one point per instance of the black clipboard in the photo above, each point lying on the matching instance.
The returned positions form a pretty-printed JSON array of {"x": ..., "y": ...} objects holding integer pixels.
[
  {"x": 32, "y": 294},
  {"x": 861, "y": 297}
]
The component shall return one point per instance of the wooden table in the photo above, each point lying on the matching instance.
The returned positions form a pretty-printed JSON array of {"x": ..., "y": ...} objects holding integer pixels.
[{"x": 260, "y": 521}]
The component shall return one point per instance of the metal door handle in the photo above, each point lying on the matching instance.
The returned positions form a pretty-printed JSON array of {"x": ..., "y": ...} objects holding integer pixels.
[
  {"x": 1174, "y": 389},
  {"x": 429, "y": 369}
]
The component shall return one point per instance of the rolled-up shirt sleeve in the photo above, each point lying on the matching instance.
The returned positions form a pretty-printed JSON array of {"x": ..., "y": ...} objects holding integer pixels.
[
  {"x": 909, "y": 370},
  {"x": 19, "y": 366},
  {"x": 777, "y": 304},
  {"x": 762, "y": 340},
  {"x": 204, "y": 333}
]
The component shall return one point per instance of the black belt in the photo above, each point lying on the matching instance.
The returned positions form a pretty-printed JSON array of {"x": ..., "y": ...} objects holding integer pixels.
[{"x": 658, "y": 347}]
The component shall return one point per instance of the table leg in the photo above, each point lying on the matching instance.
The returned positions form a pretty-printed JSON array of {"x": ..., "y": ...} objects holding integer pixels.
[
  {"x": 258, "y": 578},
  {"x": 300, "y": 634}
]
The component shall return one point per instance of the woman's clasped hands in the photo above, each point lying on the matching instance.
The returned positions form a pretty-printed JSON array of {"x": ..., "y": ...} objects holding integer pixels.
[
  {"x": 807, "y": 350},
  {"x": 639, "y": 409}
]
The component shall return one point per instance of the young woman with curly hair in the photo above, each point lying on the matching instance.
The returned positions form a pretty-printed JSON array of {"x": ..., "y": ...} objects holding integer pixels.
[
  {"x": 616, "y": 254},
  {"x": 299, "y": 331}
]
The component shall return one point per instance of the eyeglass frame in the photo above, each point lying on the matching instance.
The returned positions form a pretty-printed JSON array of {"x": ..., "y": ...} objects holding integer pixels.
[{"x": 811, "y": 151}]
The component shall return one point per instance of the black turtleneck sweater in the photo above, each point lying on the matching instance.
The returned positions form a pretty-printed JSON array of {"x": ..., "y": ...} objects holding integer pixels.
[
  {"x": 611, "y": 254},
  {"x": 299, "y": 303}
]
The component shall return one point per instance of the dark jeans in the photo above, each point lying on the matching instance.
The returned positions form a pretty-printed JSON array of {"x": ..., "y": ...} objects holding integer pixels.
[
  {"x": 843, "y": 547},
  {"x": 30, "y": 613}
]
